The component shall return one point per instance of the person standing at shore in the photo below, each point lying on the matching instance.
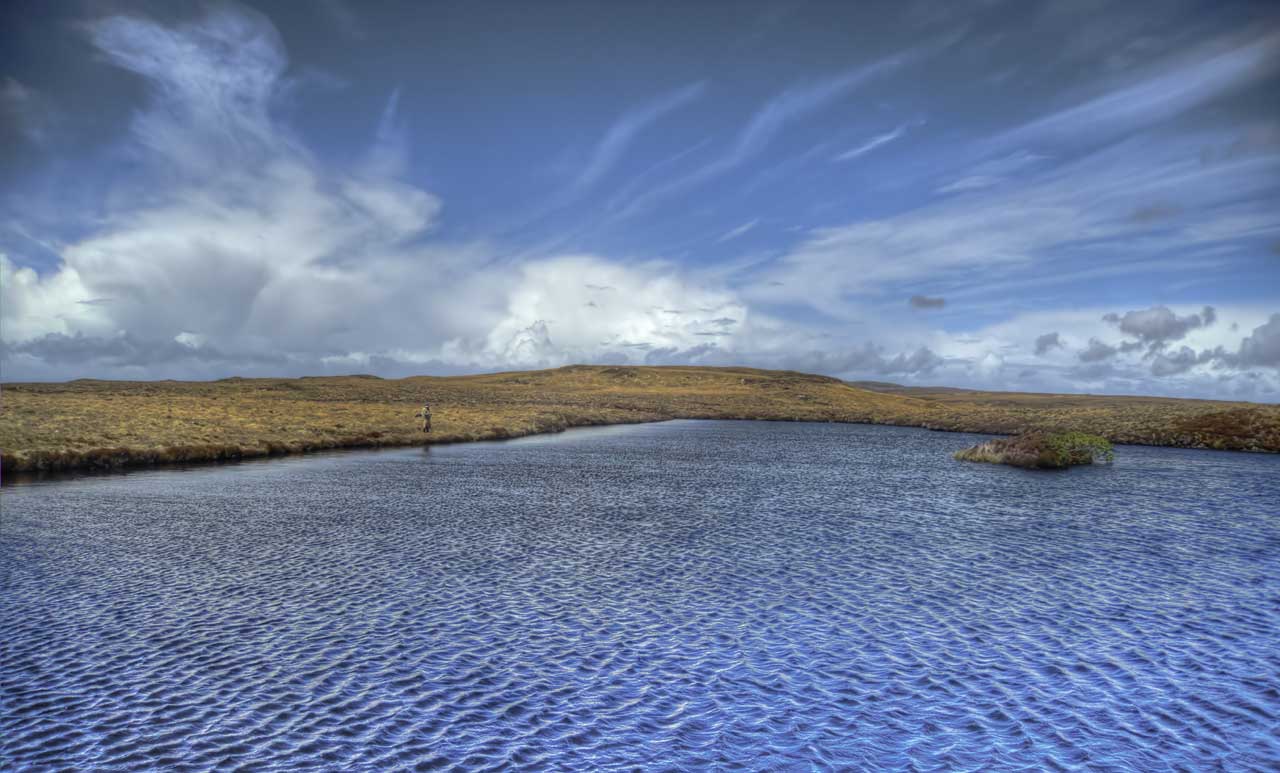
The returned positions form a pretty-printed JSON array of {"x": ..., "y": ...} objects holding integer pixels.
[{"x": 425, "y": 415}]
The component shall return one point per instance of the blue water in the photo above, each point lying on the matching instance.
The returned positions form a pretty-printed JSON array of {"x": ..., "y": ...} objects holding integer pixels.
[{"x": 687, "y": 595}]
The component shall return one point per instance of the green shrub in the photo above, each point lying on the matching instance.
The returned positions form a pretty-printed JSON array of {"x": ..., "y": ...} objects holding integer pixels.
[{"x": 1069, "y": 448}]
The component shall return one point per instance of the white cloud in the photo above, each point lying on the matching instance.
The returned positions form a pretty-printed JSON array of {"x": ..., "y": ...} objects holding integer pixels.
[
  {"x": 1021, "y": 230},
  {"x": 239, "y": 236},
  {"x": 1195, "y": 77},
  {"x": 623, "y": 132},
  {"x": 772, "y": 117},
  {"x": 556, "y": 312},
  {"x": 734, "y": 233},
  {"x": 871, "y": 144},
  {"x": 33, "y": 306}
]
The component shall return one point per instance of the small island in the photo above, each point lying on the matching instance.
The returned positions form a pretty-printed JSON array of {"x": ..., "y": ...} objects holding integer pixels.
[{"x": 1041, "y": 450}]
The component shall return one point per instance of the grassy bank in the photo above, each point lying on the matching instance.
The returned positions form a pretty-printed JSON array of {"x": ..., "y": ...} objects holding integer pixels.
[{"x": 83, "y": 424}]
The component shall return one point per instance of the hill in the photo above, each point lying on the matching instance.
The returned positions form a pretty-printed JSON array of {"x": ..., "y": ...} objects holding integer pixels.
[{"x": 90, "y": 423}]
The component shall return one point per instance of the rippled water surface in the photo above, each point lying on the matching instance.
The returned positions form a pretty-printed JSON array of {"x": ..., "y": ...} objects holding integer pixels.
[{"x": 686, "y": 595}]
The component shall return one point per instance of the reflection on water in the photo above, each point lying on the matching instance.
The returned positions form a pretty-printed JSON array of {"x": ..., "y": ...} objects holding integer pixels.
[{"x": 692, "y": 594}]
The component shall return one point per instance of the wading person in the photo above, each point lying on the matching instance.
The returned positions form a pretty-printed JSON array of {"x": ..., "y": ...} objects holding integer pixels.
[{"x": 425, "y": 415}]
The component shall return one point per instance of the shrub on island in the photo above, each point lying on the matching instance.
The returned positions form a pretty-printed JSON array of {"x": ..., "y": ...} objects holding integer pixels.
[{"x": 1042, "y": 450}]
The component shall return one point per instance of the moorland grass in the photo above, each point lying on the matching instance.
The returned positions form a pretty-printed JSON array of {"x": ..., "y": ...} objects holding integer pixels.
[{"x": 88, "y": 424}]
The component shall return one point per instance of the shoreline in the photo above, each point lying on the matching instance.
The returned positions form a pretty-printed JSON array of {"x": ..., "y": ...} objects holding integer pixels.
[
  {"x": 117, "y": 425},
  {"x": 119, "y": 459}
]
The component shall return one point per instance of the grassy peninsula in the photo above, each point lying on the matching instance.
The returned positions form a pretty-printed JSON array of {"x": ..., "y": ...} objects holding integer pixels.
[{"x": 86, "y": 424}]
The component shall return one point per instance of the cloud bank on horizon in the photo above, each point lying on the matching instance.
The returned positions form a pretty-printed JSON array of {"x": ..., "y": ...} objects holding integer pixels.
[{"x": 1035, "y": 196}]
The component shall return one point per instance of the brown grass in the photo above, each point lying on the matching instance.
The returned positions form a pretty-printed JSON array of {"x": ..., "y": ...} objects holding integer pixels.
[{"x": 84, "y": 424}]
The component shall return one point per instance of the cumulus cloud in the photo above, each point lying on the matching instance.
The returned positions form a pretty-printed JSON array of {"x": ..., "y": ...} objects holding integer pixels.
[
  {"x": 1259, "y": 349},
  {"x": 1180, "y": 361},
  {"x": 233, "y": 230},
  {"x": 1046, "y": 342},
  {"x": 547, "y": 318},
  {"x": 32, "y": 306},
  {"x": 1159, "y": 325},
  {"x": 1096, "y": 351}
]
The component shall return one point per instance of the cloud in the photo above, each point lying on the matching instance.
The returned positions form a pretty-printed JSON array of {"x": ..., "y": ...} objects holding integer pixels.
[
  {"x": 623, "y": 132},
  {"x": 546, "y": 321},
  {"x": 866, "y": 359},
  {"x": 992, "y": 172},
  {"x": 1259, "y": 349},
  {"x": 871, "y": 144},
  {"x": 926, "y": 302},
  {"x": 1158, "y": 325},
  {"x": 212, "y": 81},
  {"x": 389, "y": 155},
  {"x": 922, "y": 360},
  {"x": 1180, "y": 361},
  {"x": 776, "y": 114},
  {"x": 871, "y": 359},
  {"x": 1096, "y": 352},
  {"x": 230, "y": 228},
  {"x": 1200, "y": 74},
  {"x": 935, "y": 242},
  {"x": 122, "y": 350},
  {"x": 739, "y": 231},
  {"x": 1046, "y": 342},
  {"x": 32, "y": 306}
]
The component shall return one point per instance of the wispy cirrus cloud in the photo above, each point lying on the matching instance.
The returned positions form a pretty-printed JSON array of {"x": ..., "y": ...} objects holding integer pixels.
[
  {"x": 1171, "y": 87},
  {"x": 625, "y": 130},
  {"x": 871, "y": 144},
  {"x": 1042, "y": 210},
  {"x": 734, "y": 233},
  {"x": 771, "y": 118}
]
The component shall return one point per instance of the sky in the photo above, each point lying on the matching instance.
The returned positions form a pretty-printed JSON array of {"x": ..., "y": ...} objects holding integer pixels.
[{"x": 1047, "y": 196}]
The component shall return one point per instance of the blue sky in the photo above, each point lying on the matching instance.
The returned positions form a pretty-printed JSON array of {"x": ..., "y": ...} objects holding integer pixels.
[{"x": 1047, "y": 196}]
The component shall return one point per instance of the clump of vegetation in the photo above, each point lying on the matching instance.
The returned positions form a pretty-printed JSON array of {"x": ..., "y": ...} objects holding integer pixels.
[{"x": 1042, "y": 450}]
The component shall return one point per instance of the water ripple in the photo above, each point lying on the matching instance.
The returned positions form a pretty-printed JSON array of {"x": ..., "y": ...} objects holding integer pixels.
[{"x": 692, "y": 595}]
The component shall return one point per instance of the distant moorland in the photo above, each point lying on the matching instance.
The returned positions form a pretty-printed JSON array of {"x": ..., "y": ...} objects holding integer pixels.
[{"x": 83, "y": 424}]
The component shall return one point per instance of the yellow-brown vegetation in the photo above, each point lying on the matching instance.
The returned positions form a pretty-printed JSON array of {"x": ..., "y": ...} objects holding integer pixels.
[{"x": 83, "y": 424}]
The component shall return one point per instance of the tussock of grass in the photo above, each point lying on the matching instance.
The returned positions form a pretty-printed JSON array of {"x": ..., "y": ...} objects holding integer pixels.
[
  {"x": 86, "y": 424},
  {"x": 1041, "y": 450}
]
